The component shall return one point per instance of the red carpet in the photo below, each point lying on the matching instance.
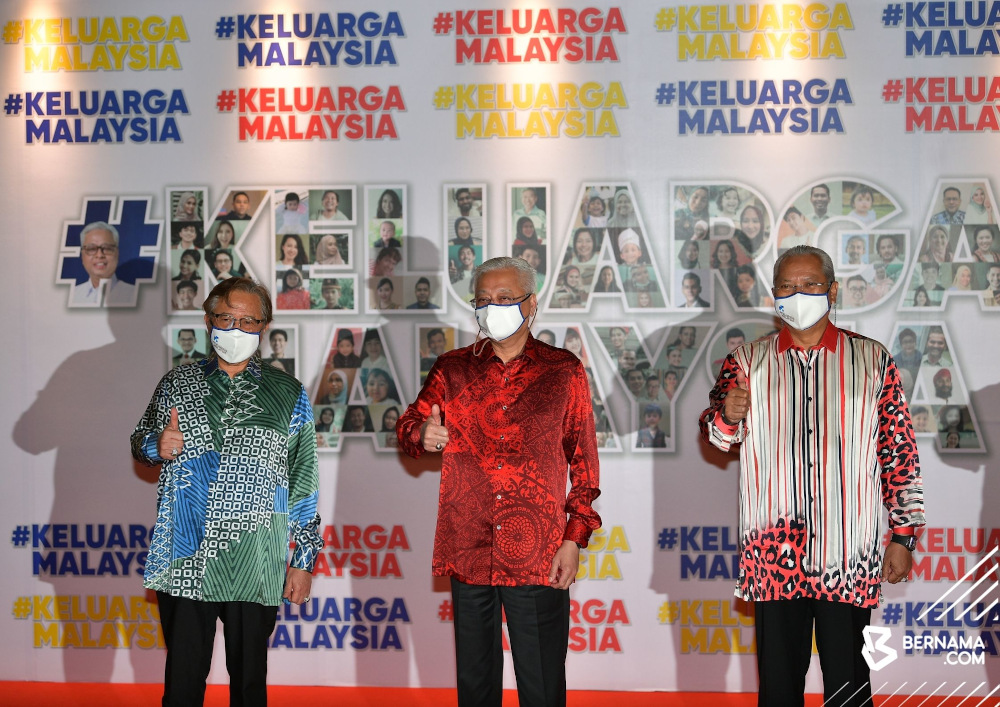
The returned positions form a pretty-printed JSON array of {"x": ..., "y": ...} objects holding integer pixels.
[{"x": 46, "y": 694}]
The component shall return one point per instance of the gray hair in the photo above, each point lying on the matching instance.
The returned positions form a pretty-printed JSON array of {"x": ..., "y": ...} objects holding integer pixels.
[
  {"x": 227, "y": 287},
  {"x": 525, "y": 273},
  {"x": 798, "y": 250},
  {"x": 99, "y": 226}
]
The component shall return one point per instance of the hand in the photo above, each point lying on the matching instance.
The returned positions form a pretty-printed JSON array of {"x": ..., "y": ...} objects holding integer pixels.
[
  {"x": 737, "y": 400},
  {"x": 434, "y": 435},
  {"x": 297, "y": 585},
  {"x": 564, "y": 565},
  {"x": 171, "y": 440},
  {"x": 897, "y": 563}
]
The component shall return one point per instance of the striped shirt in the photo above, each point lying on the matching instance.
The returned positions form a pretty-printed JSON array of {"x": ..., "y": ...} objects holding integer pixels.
[
  {"x": 246, "y": 481},
  {"x": 826, "y": 442}
]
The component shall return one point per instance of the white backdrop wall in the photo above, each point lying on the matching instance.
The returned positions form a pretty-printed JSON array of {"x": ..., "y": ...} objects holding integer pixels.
[{"x": 114, "y": 111}]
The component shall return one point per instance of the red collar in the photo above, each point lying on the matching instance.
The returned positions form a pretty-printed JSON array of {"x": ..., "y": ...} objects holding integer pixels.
[{"x": 831, "y": 335}]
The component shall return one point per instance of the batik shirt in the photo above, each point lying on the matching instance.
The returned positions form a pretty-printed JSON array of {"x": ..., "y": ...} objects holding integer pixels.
[
  {"x": 245, "y": 482},
  {"x": 827, "y": 441},
  {"x": 514, "y": 431}
]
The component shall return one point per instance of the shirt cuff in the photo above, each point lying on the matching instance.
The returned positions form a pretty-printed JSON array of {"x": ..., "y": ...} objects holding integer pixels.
[
  {"x": 149, "y": 447},
  {"x": 578, "y": 532},
  {"x": 905, "y": 530}
]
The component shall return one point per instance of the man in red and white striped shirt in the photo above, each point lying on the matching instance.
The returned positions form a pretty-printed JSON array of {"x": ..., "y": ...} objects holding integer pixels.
[{"x": 826, "y": 440}]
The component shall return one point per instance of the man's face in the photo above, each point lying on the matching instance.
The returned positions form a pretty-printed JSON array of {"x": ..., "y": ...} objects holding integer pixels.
[
  {"x": 278, "y": 345},
  {"x": 506, "y": 282},
  {"x": 652, "y": 388},
  {"x": 640, "y": 275},
  {"x": 909, "y": 344},
  {"x": 935, "y": 347},
  {"x": 952, "y": 200},
  {"x": 856, "y": 289},
  {"x": 920, "y": 421},
  {"x": 929, "y": 278},
  {"x": 820, "y": 199},
  {"x": 345, "y": 347},
  {"x": 528, "y": 199},
  {"x": 331, "y": 295},
  {"x": 887, "y": 250},
  {"x": 627, "y": 362},
  {"x": 423, "y": 293},
  {"x": 186, "y": 341},
  {"x": 330, "y": 201},
  {"x": 691, "y": 290},
  {"x": 532, "y": 258},
  {"x": 652, "y": 419},
  {"x": 185, "y": 298},
  {"x": 240, "y": 305},
  {"x": 687, "y": 337},
  {"x": 99, "y": 264},
  {"x": 856, "y": 250},
  {"x": 464, "y": 201},
  {"x": 800, "y": 269},
  {"x": 993, "y": 277},
  {"x": 223, "y": 263},
  {"x": 735, "y": 342},
  {"x": 942, "y": 385},
  {"x": 635, "y": 381},
  {"x": 437, "y": 344}
]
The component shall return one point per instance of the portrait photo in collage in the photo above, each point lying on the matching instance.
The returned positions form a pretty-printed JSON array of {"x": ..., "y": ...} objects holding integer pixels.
[
  {"x": 313, "y": 245},
  {"x": 719, "y": 230},
  {"x": 935, "y": 385},
  {"x": 528, "y": 229},
  {"x": 357, "y": 391},
  {"x": 653, "y": 378},
  {"x": 465, "y": 233},
  {"x": 606, "y": 254},
  {"x": 107, "y": 253},
  {"x": 959, "y": 249}
]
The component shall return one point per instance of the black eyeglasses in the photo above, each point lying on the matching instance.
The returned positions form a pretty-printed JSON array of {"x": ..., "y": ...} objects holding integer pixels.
[
  {"x": 228, "y": 321},
  {"x": 504, "y": 301}
]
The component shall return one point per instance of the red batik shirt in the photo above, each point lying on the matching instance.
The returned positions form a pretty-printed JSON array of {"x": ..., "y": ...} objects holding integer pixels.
[
  {"x": 826, "y": 444},
  {"x": 513, "y": 431}
]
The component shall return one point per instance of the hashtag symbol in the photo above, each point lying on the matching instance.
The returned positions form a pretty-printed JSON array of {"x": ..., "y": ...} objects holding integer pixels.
[
  {"x": 666, "y": 19},
  {"x": 443, "y": 23},
  {"x": 892, "y": 91},
  {"x": 665, "y": 94},
  {"x": 22, "y": 608},
  {"x": 226, "y": 101},
  {"x": 20, "y": 536},
  {"x": 668, "y": 538},
  {"x": 892, "y": 614},
  {"x": 12, "y": 31},
  {"x": 12, "y": 104},
  {"x": 668, "y": 612},
  {"x": 444, "y": 97},
  {"x": 446, "y": 612},
  {"x": 892, "y": 15},
  {"x": 225, "y": 27}
]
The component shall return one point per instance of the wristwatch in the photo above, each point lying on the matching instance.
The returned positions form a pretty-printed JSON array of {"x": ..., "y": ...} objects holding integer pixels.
[{"x": 907, "y": 541}]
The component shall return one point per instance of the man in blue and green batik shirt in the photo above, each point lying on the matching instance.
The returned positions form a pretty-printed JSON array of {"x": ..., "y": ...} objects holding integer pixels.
[{"x": 239, "y": 480}]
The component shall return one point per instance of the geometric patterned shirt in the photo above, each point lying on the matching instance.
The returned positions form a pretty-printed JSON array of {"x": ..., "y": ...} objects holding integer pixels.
[
  {"x": 515, "y": 431},
  {"x": 245, "y": 483},
  {"x": 826, "y": 442}
]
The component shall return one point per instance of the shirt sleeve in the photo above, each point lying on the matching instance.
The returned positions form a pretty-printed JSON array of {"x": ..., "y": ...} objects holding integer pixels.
[
  {"x": 902, "y": 486},
  {"x": 580, "y": 448},
  {"x": 303, "y": 486},
  {"x": 147, "y": 432},
  {"x": 408, "y": 427},
  {"x": 714, "y": 429}
]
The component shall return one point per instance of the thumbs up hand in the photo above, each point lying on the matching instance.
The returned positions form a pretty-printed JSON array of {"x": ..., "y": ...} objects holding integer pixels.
[
  {"x": 433, "y": 434},
  {"x": 171, "y": 440},
  {"x": 737, "y": 400}
]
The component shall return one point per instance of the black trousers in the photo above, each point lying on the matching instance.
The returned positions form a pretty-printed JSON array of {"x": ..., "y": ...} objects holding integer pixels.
[
  {"x": 538, "y": 628},
  {"x": 784, "y": 631},
  {"x": 189, "y": 632}
]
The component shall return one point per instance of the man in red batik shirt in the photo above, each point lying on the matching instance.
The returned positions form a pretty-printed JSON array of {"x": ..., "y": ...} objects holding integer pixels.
[{"x": 509, "y": 415}]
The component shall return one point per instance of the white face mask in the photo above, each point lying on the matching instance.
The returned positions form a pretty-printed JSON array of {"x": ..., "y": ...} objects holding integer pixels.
[
  {"x": 234, "y": 345},
  {"x": 499, "y": 321},
  {"x": 801, "y": 310}
]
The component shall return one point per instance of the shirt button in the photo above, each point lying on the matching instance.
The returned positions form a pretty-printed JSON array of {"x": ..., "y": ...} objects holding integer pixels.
[
  {"x": 499, "y": 497},
  {"x": 504, "y": 407},
  {"x": 501, "y": 436},
  {"x": 500, "y": 465},
  {"x": 498, "y": 527},
  {"x": 809, "y": 431},
  {"x": 506, "y": 380}
]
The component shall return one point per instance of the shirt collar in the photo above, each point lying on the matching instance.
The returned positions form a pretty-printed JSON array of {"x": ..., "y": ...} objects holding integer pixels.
[
  {"x": 831, "y": 335},
  {"x": 530, "y": 351},
  {"x": 210, "y": 365}
]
